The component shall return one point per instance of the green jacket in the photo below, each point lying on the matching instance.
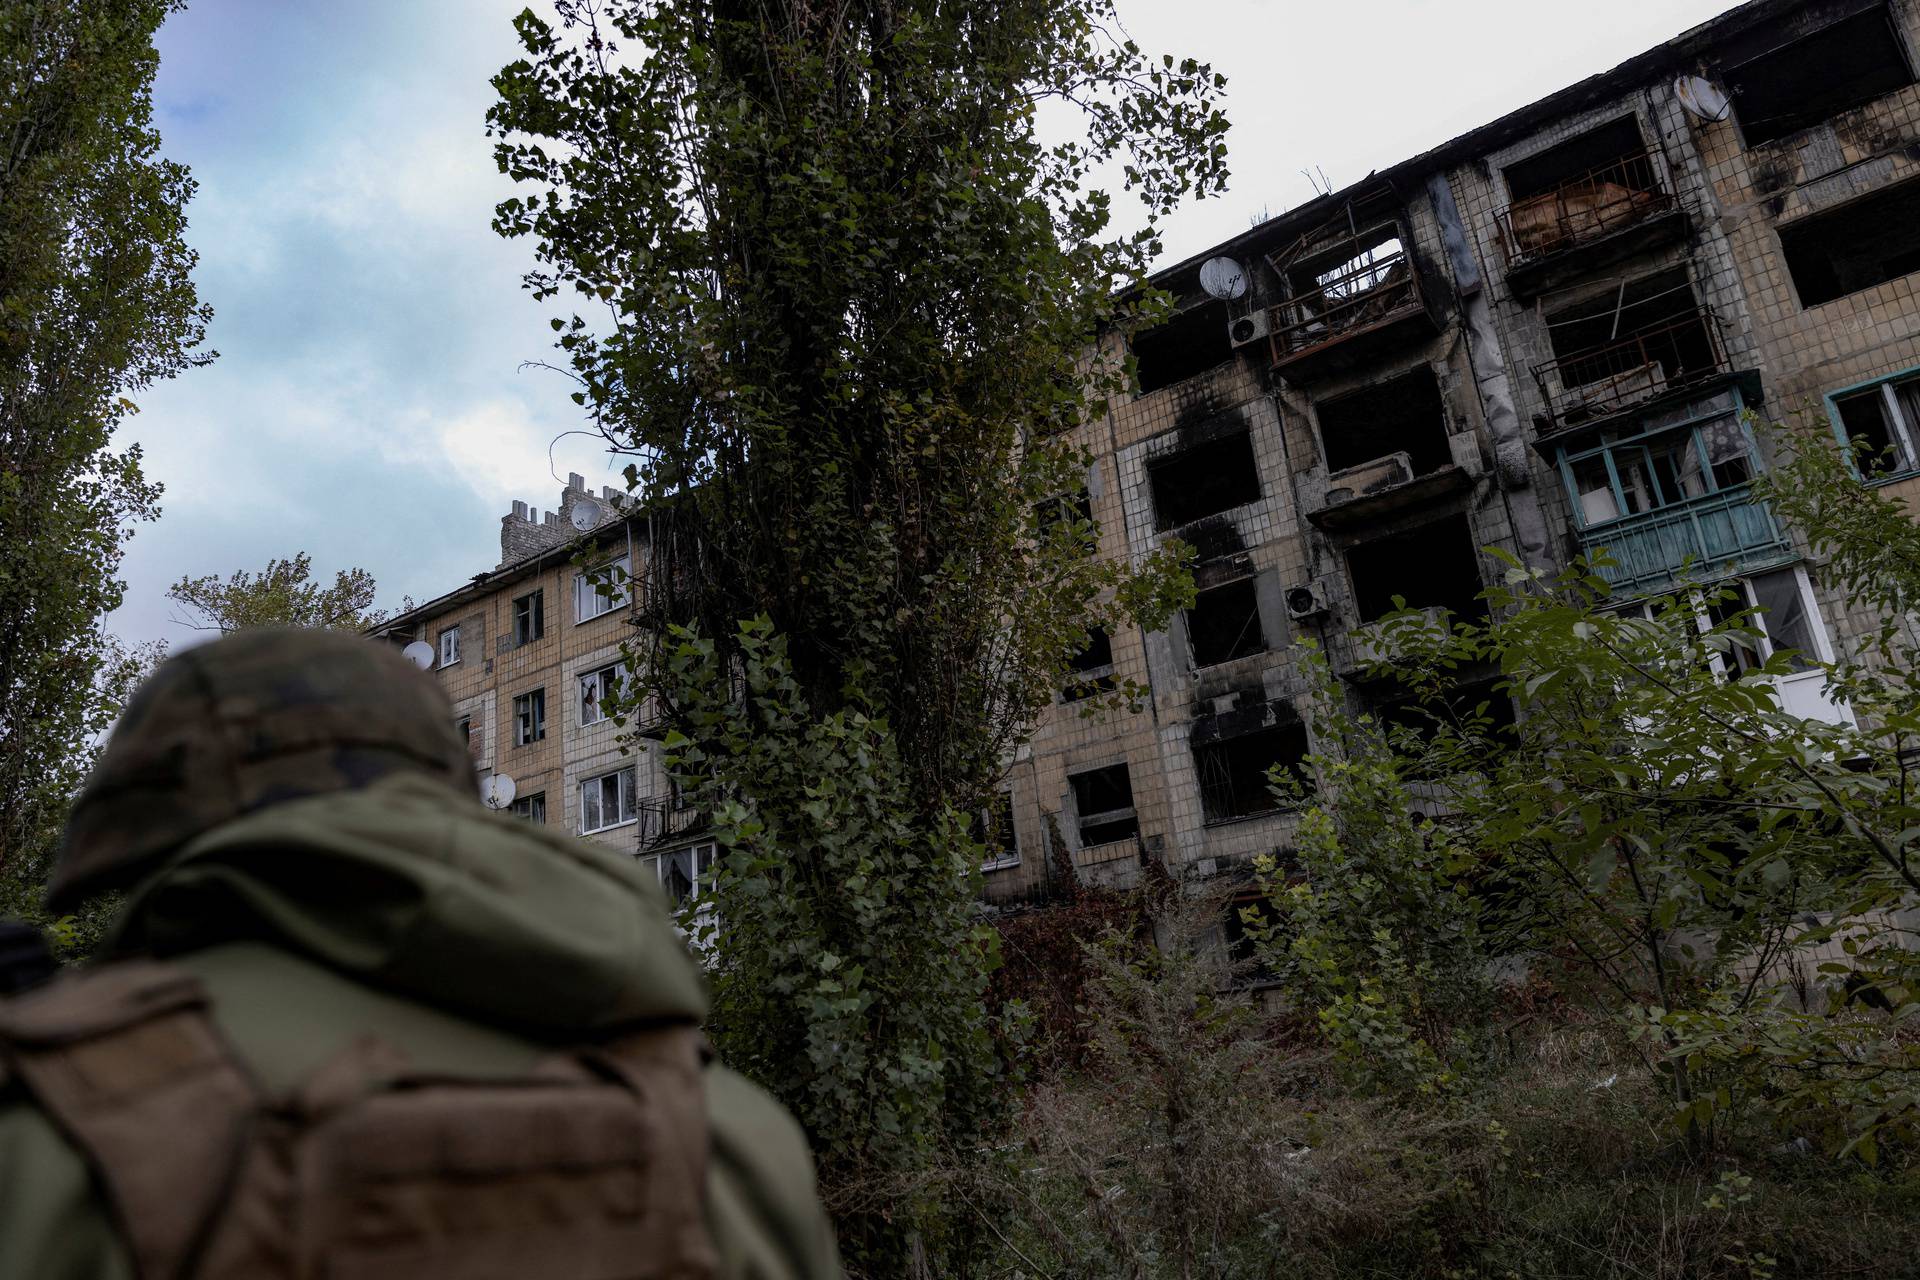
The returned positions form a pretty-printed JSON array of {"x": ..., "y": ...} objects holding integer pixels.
[{"x": 473, "y": 943}]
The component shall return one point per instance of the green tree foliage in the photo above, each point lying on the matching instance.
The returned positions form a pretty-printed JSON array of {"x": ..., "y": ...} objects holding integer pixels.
[
  {"x": 281, "y": 595},
  {"x": 96, "y": 303},
  {"x": 836, "y": 295},
  {"x": 1371, "y": 923}
]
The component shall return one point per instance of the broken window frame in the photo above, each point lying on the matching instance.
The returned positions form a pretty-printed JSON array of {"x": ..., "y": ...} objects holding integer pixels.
[
  {"x": 1084, "y": 678},
  {"x": 529, "y": 617},
  {"x": 1218, "y": 779},
  {"x": 1104, "y": 821},
  {"x": 1748, "y": 654},
  {"x": 994, "y": 827},
  {"x": 1363, "y": 283},
  {"x": 595, "y": 687},
  {"x": 1234, "y": 652},
  {"x": 1427, "y": 534},
  {"x": 1639, "y": 453},
  {"x": 530, "y": 717},
  {"x": 531, "y": 808},
  {"x": 1899, "y": 405},
  {"x": 449, "y": 645}
]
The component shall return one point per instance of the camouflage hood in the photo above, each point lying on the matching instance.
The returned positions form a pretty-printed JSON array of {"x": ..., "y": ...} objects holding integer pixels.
[
  {"x": 411, "y": 888},
  {"x": 242, "y": 724}
]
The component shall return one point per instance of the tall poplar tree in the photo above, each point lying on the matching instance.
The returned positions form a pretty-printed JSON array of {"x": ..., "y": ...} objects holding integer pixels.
[
  {"x": 820, "y": 269},
  {"x": 96, "y": 304}
]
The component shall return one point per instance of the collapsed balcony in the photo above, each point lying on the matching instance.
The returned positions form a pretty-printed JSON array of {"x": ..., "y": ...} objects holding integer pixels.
[
  {"x": 1350, "y": 295},
  {"x": 1650, "y": 340},
  {"x": 1387, "y": 448},
  {"x": 1590, "y": 201}
]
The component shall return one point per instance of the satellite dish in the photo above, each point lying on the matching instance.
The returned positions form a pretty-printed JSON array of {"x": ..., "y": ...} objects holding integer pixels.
[
  {"x": 586, "y": 514},
  {"x": 497, "y": 791},
  {"x": 1702, "y": 98},
  {"x": 420, "y": 654},
  {"x": 1223, "y": 278}
]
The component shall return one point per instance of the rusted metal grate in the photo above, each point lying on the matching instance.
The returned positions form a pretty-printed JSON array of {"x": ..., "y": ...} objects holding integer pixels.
[
  {"x": 1615, "y": 376},
  {"x": 1581, "y": 209},
  {"x": 1351, "y": 284}
]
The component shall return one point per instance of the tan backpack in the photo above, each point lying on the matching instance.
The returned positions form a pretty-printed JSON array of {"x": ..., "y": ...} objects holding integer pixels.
[{"x": 590, "y": 1167}]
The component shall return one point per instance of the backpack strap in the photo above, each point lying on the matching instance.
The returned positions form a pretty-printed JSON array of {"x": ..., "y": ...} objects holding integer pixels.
[{"x": 126, "y": 1063}]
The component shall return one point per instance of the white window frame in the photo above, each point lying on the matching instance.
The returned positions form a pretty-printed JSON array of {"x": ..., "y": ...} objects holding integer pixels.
[
  {"x": 597, "y": 679},
  {"x": 625, "y": 800},
  {"x": 450, "y": 652},
  {"x": 706, "y": 856},
  {"x": 534, "y": 728},
  {"x": 589, "y": 602}
]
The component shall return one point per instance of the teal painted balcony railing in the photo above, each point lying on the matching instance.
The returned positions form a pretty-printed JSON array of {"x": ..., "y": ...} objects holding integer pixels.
[{"x": 1714, "y": 532}]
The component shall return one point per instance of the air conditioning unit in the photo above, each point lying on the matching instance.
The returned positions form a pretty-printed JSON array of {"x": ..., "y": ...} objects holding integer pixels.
[
  {"x": 1306, "y": 601},
  {"x": 1251, "y": 327}
]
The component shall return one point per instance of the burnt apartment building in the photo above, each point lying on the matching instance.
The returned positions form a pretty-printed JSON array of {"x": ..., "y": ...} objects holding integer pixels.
[{"x": 1544, "y": 337}]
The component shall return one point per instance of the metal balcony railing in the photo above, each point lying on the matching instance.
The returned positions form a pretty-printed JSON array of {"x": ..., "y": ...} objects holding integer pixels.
[
  {"x": 662, "y": 818},
  {"x": 1649, "y": 549},
  {"x": 1615, "y": 376},
  {"x": 1375, "y": 284},
  {"x": 1582, "y": 209}
]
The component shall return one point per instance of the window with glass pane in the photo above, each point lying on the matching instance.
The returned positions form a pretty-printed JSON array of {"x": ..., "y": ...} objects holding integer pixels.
[
  {"x": 1636, "y": 475},
  {"x": 602, "y": 591},
  {"x": 532, "y": 808},
  {"x": 449, "y": 646},
  {"x": 607, "y": 801},
  {"x": 685, "y": 873},
  {"x": 1784, "y": 616},
  {"x": 596, "y": 687}
]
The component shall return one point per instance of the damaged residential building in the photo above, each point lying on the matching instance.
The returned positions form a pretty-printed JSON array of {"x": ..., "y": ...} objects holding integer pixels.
[{"x": 1542, "y": 337}]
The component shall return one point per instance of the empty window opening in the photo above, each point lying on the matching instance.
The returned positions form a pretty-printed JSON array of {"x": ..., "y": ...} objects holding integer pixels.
[
  {"x": 1582, "y": 189},
  {"x": 1477, "y": 708},
  {"x": 1192, "y": 342},
  {"x": 1433, "y": 565},
  {"x": 1347, "y": 284},
  {"x": 1224, "y": 624},
  {"x": 1842, "y": 65},
  {"x": 1234, "y": 780},
  {"x": 1882, "y": 424},
  {"x": 1401, "y": 415},
  {"x": 1204, "y": 479},
  {"x": 1091, "y": 667},
  {"x": 1629, "y": 345},
  {"x": 1067, "y": 516},
  {"x": 1863, "y": 243},
  {"x": 529, "y": 617},
  {"x": 464, "y": 727},
  {"x": 1630, "y": 474},
  {"x": 1103, "y": 803}
]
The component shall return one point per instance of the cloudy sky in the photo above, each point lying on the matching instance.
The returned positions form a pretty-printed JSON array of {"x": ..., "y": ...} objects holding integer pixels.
[{"x": 369, "y": 405}]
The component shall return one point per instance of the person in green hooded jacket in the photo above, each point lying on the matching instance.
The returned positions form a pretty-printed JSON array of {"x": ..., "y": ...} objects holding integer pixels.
[{"x": 350, "y": 1023}]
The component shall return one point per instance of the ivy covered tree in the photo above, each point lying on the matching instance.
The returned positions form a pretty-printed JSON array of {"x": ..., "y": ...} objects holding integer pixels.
[
  {"x": 96, "y": 303},
  {"x": 822, "y": 273},
  {"x": 281, "y": 595}
]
